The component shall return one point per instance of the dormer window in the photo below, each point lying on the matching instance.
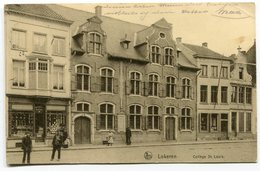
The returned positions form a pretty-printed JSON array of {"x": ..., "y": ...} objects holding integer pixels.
[
  {"x": 155, "y": 56},
  {"x": 125, "y": 42},
  {"x": 95, "y": 44}
]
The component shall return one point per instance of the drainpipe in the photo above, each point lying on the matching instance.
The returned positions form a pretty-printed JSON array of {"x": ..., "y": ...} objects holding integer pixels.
[{"x": 196, "y": 106}]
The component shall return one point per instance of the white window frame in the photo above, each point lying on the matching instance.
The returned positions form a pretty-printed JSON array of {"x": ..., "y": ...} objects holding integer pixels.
[
  {"x": 135, "y": 116},
  {"x": 82, "y": 75},
  {"x": 61, "y": 51},
  {"x": 135, "y": 80},
  {"x": 59, "y": 75},
  {"x": 19, "y": 70},
  {"x": 95, "y": 43},
  {"x": 83, "y": 103},
  {"x": 155, "y": 84},
  {"x": 14, "y": 45},
  {"x": 106, "y": 114}
]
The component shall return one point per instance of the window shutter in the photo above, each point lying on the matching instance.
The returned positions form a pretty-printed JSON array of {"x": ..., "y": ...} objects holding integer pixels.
[
  {"x": 192, "y": 123},
  {"x": 191, "y": 92},
  {"x": 179, "y": 122},
  {"x": 115, "y": 85},
  {"x": 199, "y": 122},
  {"x": 103, "y": 45},
  {"x": 162, "y": 89},
  {"x": 97, "y": 122},
  {"x": 144, "y": 122},
  {"x": 128, "y": 121},
  {"x": 115, "y": 122},
  {"x": 127, "y": 87},
  {"x": 160, "y": 123},
  {"x": 146, "y": 88},
  {"x": 73, "y": 82}
]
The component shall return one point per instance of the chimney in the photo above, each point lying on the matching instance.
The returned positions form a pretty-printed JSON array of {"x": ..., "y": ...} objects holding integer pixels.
[
  {"x": 205, "y": 44},
  {"x": 98, "y": 11},
  {"x": 178, "y": 39}
]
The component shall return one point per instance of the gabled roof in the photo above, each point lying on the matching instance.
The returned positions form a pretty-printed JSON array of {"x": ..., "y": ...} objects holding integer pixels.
[
  {"x": 162, "y": 23},
  {"x": 38, "y": 10},
  {"x": 204, "y": 52}
]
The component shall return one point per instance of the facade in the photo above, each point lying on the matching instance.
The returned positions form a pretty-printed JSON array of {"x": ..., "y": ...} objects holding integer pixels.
[
  {"x": 69, "y": 67},
  {"x": 37, "y": 67}
]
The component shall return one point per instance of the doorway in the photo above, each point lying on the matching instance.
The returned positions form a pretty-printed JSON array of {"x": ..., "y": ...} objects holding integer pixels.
[
  {"x": 82, "y": 130},
  {"x": 170, "y": 128},
  {"x": 224, "y": 126},
  {"x": 39, "y": 123}
]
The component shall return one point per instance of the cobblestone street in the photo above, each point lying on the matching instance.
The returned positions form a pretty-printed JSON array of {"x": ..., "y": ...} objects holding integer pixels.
[{"x": 206, "y": 152}]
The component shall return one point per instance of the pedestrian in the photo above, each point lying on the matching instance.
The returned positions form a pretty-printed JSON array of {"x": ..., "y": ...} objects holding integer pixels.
[
  {"x": 128, "y": 135},
  {"x": 56, "y": 145},
  {"x": 110, "y": 138},
  {"x": 27, "y": 147}
]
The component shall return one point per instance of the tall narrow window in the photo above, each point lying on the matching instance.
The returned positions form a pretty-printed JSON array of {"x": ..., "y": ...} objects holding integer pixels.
[
  {"x": 204, "y": 93},
  {"x": 19, "y": 39},
  {"x": 153, "y": 117},
  {"x": 186, "y": 88},
  {"x": 40, "y": 43},
  {"x": 18, "y": 74},
  {"x": 204, "y": 70},
  {"x": 234, "y": 122},
  {"x": 248, "y": 95},
  {"x": 224, "y": 94},
  {"x": 153, "y": 85},
  {"x": 83, "y": 78},
  {"x": 107, "y": 80},
  {"x": 214, "y": 94},
  {"x": 204, "y": 122},
  {"x": 241, "y": 94},
  {"x": 214, "y": 71},
  {"x": 95, "y": 44},
  {"x": 58, "y": 46},
  {"x": 155, "y": 54},
  {"x": 214, "y": 122},
  {"x": 168, "y": 53},
  {"x": 241, "y": 71},
  {"x": 106, "y": 116},
  {"x": 234, "y": 94},
  {"x": 58, "y": 77},
  {"x": 170, "y": 86},
  {"x": 248, "y": 122},
  {"x": 241, "y": 122},
  {"x": 135, "y": 116},
  {"x": 186, "y": 119},
  {"x": 224, "y": 72},
  {"x": 43, "y": 73},
  {"x": 135, "y": 81}
]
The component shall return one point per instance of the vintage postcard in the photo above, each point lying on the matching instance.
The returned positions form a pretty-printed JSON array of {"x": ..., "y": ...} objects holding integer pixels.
[{"x": 130, "y": 83}]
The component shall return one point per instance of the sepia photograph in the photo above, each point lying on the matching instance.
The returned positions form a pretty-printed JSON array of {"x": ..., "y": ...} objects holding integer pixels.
[{"x": 130, "y": 83}]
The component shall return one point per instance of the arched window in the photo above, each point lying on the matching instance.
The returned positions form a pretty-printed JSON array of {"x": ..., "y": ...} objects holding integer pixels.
[
  {"x": 170, "y": 86},
  {"x": 186, "y": 88},
  {"x": 135, "y": 116},
  {"x": 106, "y": 116},
  {"x": 153, "y": 117},
  {"x": 83, "y": 77},
  {"x": 135, "y": 81},
  {"x": 153, "y": 85},
  {"x": 107, "y": 76},
  {"x": 83, "y": 106},
  {"x": 168, "y": 56},
  {"x": 186, "y": 119},
  {"x": 95, "y": 44},
  {"x": 155, "y": 54}
]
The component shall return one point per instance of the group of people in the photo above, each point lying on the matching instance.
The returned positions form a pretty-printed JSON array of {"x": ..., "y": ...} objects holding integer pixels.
[{"x": 58, "y": 141}]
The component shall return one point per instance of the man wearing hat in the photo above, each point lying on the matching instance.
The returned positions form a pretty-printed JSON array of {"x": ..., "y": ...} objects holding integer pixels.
[{"x": 27, "y": 147}]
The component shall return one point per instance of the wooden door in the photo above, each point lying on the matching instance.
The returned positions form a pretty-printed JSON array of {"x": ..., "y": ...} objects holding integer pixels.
[
  {"x": 82, "y": 130},
  {"x": 170, "y": 128}
]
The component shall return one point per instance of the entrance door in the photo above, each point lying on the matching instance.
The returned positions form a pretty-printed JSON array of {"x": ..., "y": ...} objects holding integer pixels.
[
  {"x": 39, "y": 123},
  {"x": 224, "y": 126},
  {"x": 170, "y": 128},
  {"x": 82, "y": 130}
]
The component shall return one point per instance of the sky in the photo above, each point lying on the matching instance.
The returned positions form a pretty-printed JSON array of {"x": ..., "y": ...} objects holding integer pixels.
[{"x": 224, "y": 27}]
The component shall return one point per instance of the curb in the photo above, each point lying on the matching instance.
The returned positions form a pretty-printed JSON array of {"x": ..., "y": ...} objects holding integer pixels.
[{"x": 75, "y": 147}]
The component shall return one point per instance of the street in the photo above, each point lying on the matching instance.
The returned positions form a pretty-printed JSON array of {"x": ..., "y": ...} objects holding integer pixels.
[{"x": 206, "y": 152}]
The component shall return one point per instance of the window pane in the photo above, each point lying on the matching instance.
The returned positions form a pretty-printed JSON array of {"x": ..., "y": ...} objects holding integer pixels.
[
  {"x": 241, "y": 122},
  {"x": 79, "y": 81},
  {"x": 132, "y": 123},
  {"x": 86, "y": 107},
  {"x": 79, "y": 107},
  {"x": 156, "y": 122},
  {"x": 103, "y": 108},
  {"x": 214, "y": 121},
  {"x": 109, "y": 108},
  {"x": 248, "y": 122},
  {"x": 102, "y": 121},
  {"x": 204, "y": 122},
  {"x": 110, "y": 121},
  {"x": 150, "y": 122},
  {"x": 138, "y": 122}
]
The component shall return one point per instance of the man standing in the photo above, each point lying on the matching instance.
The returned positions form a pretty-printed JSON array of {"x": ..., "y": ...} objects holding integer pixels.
[
  {"x": 56, "y": 145},
  {"x": 27, "y": 147},
  {"x": 128, "y": 135}
]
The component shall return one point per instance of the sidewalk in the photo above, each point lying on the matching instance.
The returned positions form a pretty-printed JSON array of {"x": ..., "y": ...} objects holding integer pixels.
[{"x": 94, "y": 146}]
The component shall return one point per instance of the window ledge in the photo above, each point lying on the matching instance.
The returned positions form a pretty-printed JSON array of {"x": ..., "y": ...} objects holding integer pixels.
[
  {"x": 135, "y": 95},
  {"x": 107, "y": 130},
  {"x": 107, "y": 93},
  {"x": 186, "y": 99},
  {"x": 170, "y": 98},
  {"x": 43, "y": 53},
  {"x": 21, "y": 88},
  {"x": 186, "y": 130},
  {"x": 95, "y": 54},
  {"x": 171, "y": 66},
  {"x": 154, "y": 96},
  {"x": 61, "y": 91},
  {"x": 204, "y": 103},
  {"x": 156, "y": 64},
  {"x": 17, "y": 49},
  {"x": 204, "y": 76},
  {"x": 137, "y": 130},
  {"x": 82, "y": 91},
  {"x": 58, "y": 55},
  {"x": 154, "y": 130}
]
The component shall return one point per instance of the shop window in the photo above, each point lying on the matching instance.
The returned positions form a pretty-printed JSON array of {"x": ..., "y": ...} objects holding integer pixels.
[
  {"x": 54, "y": 120},
  {"x": 20, "y": 123}
]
